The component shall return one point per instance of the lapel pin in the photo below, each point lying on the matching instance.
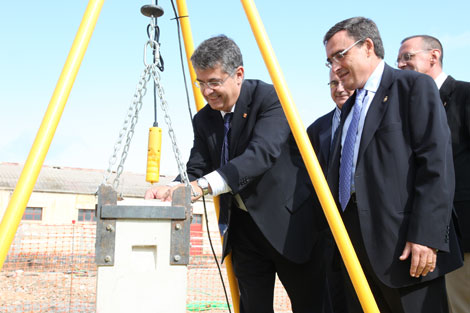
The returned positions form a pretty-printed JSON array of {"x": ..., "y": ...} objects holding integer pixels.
[
  {"x": 385, "y": 99},
  {"x": 445, "y": 103},
  {"x": 245, "y": 115}
]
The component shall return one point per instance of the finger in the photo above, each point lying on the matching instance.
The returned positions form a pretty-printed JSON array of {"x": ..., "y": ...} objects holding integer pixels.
[
  {"x": 429, "y": 263},
  {"x": 150, "y": 194},
  {"x": 422, "y": 264},
  {"x": 167, "y": 195},
  {"x": 406, "y": 252},
  {"x": 415, "y": 269}
]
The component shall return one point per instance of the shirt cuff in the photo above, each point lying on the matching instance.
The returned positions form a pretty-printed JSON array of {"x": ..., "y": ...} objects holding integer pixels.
[{"x": 217, "y": 183}]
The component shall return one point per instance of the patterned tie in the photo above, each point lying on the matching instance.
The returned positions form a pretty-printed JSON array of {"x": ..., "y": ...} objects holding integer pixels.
[
  {"x": 224, "y": 154},
  {"x": 347, "y": 154},
  {"x": 223, "y": 213}
]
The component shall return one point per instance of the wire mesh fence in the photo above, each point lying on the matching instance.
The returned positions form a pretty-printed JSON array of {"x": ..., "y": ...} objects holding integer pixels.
[{"x": 51, "y": 268}]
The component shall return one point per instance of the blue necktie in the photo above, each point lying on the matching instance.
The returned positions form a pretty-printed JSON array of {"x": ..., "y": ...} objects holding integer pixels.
[
  {"x": 224, "y": 154},
  {"x": 224, "y": 157},
  {"x": 347, "y": 154}
]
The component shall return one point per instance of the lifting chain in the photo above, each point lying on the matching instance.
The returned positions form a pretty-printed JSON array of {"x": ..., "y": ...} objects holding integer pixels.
[{"x": 132, "y": 116}]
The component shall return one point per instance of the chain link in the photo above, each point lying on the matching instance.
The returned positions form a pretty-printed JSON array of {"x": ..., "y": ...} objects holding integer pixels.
[{"x": 171, "y": 132}]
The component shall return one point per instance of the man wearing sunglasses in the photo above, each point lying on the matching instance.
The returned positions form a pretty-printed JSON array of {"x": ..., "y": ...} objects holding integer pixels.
[
  {"x": 424, "y": 54},
  {"x": 391, "y": 173},
  {"x": 244, "y": 151}
]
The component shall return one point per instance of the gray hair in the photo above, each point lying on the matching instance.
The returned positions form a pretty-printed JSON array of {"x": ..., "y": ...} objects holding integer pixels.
[
  {"x": 217, "y": 51},
  {"x": 359, "y": 28},
  {"x": 429, "y": 43}
]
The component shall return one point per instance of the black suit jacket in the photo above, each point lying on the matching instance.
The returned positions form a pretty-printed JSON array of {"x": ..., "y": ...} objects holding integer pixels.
[
  {"x": 455, "y": 96},
  {"x": 404, "y": 177},
  {"x": 265, "y": 168},
  {"x": 319, "y": 134}
]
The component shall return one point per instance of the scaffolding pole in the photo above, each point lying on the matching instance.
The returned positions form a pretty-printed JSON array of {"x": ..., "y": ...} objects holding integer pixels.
[
  {"x": 38, "y": 152},
  {"x": 189, "y": 48}
]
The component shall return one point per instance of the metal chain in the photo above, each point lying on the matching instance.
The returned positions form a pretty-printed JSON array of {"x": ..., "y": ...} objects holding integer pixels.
[
  {"x": 171, "y": 133},
  {"x": 132, "y": 118},
  {"x": 133, "y": 115}
]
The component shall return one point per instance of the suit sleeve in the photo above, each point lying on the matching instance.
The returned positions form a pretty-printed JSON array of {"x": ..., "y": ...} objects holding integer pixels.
[
  {"x": 269, "y": 135},
  {"x": 434, "y": 172}
]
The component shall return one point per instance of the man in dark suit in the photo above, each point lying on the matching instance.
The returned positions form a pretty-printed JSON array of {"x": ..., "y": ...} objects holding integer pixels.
[
  {"x": 392, "y": 174},
  {"x": 266, "y": 201},
  {"x": 321, "y": 134},
  {"x": 424, "y": 54}
]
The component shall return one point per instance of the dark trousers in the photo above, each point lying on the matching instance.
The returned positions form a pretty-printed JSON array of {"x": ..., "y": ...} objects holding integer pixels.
[
  {"x": 426, "y": 297},
  {"x": 256, "y": 263}
]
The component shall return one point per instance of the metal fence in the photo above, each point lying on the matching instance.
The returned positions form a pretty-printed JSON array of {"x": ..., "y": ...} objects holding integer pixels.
[{"x": 51, "y": 268}]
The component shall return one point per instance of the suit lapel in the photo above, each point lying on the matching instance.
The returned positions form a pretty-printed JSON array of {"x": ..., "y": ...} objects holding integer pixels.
[
  {"x": 216, "y": 135},
  {"x": 325, "y": 141},
  {"x": 446, "y": 90},
  {"x": 239, "y": 120},
  {"x": 376, "y": 111}
]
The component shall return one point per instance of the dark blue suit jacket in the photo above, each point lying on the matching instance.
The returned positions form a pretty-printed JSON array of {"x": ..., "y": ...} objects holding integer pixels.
[
  {"x": 320, "y": 136},
  {"x": 404, "y": 177},
  {"x": 455, "y": 96},
  {"x": 265, "y": 168}
]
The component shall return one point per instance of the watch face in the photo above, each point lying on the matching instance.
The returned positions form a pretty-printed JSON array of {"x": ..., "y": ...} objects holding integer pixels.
[{"x": 202, "y": 183}]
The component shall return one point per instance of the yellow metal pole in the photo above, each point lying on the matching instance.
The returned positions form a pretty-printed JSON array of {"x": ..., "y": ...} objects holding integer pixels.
[
  {"x": 32, "y": 167},
  {"x": 189, "y": 47},
  {"x": 316, "y": 175}
]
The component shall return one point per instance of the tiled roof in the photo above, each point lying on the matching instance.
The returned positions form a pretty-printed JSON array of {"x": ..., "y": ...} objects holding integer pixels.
[{"x": 75, "y": 180}]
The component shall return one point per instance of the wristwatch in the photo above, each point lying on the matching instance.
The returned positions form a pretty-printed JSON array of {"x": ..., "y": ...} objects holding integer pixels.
[{"x": 204, "y": 184}]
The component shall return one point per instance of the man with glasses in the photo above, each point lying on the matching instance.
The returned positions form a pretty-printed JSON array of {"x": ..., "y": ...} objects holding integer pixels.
[
  {"x": 322, "y": 133},
  {"x": 244, "y": 151},
  {"x": 424, "y": 54},
  {"x": 391, "y": 173}
]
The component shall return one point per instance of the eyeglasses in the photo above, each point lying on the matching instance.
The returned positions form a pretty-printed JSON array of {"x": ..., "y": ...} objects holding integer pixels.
[
  {"x": 340, "y": 55},
  {"x": 333, "y": 84},
  {"x": 406, "y": 57},
  {"x": 213, "y": 84}
]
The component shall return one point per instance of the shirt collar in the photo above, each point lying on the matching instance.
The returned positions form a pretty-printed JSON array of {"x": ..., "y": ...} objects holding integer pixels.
[
  {"x": 440, "y": 79},
  {"x": 223, "y": 112},
  {"x": 373, "y": 82}
]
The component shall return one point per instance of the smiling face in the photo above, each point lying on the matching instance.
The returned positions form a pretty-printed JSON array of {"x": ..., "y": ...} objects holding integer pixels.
[
  {"x": 339, "y": 94},
  {"x": 223, "y": 97},
  {"x": 358, "y": 63},
  {"x": 419, "y": 58}
]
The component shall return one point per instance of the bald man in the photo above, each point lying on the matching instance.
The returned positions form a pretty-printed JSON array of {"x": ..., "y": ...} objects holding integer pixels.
[{"x": 424, "y": 54}]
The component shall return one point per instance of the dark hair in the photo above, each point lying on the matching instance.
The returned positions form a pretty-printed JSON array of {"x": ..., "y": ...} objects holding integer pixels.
[
  {"x": 429, "y": 42},
  {"x": 359, "y": 28},
  {"x": 218, "y": 50}
]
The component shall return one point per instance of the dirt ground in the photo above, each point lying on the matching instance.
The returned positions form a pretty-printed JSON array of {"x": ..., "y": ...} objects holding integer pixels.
[{"x": 24, "y": 291}]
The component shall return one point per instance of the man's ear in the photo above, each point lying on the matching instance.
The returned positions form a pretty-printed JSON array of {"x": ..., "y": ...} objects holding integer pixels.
[
  {"x": 369, "y": 45},
  {"x": 239, "y": 74},
  {"x": 435, "y": 56}
]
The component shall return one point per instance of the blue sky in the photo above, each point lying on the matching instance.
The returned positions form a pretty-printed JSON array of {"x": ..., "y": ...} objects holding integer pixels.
[{"x": 36, "y": 37}]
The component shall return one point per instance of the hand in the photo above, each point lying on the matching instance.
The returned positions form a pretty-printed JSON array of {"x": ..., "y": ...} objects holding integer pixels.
[
  {"x": 159, "y": 192},
  {"x": 423, "y": 258},
  {"x": 197, "y": 191}
]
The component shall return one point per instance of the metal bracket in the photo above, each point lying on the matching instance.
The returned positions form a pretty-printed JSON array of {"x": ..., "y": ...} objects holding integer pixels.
[
  {"x": 108, "y": 212},
  {"x": 179, "y": 250},
  {"x": 105, "y": 228}
]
